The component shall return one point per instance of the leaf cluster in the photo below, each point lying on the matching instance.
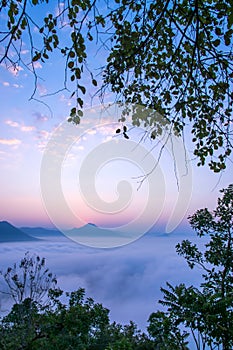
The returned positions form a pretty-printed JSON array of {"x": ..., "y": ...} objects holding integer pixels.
[
  {"x": 206, "y": 312},
  {"x": 173, "y": 57}
]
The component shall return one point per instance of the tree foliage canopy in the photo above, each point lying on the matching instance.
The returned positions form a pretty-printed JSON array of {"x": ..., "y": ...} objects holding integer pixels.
[
  {"x": 174, "y": 57},
  {"x": 76, "y": 323},
  {"x": 43, "y": 316},
  {"x": 206, "y": 312}
]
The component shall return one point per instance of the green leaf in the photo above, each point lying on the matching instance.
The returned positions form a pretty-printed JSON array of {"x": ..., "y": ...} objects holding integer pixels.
[
  {"x": 36, "y": 57},
  {"x": 76, "y": 120},
  {"x": 80, "y": 102},
  {"x": 218, "y": 31},
  {"x": 94, "y": 82},
  {"x": 82, "y": 88},
  {"x": 73, "y": 111},
  {"x": 216, "y": 42},
  {"x": 80, "y": 113},
  {"x": 90, "y": 37},
  {"x": 227, "y": 40},
  {"x": 71, "y": 64}
]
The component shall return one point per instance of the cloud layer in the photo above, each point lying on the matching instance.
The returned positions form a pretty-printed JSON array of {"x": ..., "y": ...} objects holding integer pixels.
[{"x": 126, "y": 280}]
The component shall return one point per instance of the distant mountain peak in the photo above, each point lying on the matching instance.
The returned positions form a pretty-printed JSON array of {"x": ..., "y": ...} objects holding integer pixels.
[
  {"x": 91, "y": 224},
  {"x": 9, "y": 233},
  {"x": 4, "y": 222}
]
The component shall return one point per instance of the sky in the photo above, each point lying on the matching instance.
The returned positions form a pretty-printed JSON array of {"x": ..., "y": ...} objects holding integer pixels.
[{"x": 57, "y": 174}]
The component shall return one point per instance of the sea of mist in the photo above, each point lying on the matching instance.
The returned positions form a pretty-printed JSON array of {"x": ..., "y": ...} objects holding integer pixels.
[{"x": 126, "y": 280}]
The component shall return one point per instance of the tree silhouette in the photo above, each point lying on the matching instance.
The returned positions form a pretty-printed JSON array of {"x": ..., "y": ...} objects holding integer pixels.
[
  {"x": 28, "y": 279},
  {"x": 206, "y": 312},
  {"x": 174, "y": 57}
]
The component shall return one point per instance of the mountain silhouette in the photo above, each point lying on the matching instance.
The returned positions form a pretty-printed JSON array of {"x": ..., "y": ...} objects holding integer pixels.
[
  {"x": 9, "y": 233},
  {"x": 41, "y": 232},
  {"x": 91, "y": 230},
  {"x": 94, "y": 236}
]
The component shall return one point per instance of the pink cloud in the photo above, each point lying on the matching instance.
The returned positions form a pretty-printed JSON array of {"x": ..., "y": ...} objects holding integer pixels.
[
  {"x": 43, "y": 134},
  {"x": 17, "y": 86},
  {"x": 42, "y": 89},
  {"x": 10, "y": 142},
  {"x": 37, "y": 65},
  {"x": 14, "y": 70},
  {"x": 27, "y": 128},
  {"x": 12, "y": 123},
  {"x": 23, "y": 128}
]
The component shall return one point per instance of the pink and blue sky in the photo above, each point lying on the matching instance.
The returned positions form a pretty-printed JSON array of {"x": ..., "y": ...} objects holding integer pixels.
[{"x": 27, "y": 126}]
